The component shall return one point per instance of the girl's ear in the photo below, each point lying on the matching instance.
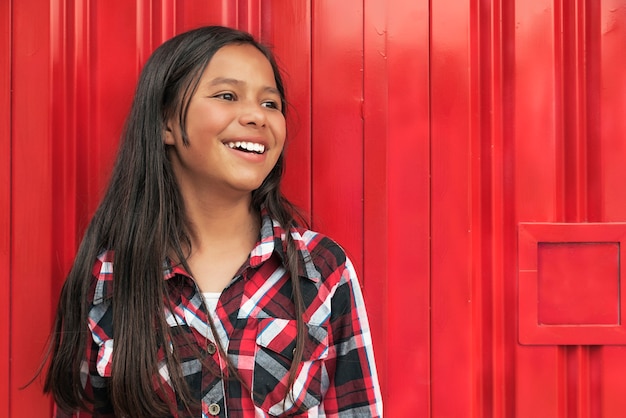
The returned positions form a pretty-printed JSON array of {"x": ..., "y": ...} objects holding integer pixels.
[{"x": 168, "y": 134}]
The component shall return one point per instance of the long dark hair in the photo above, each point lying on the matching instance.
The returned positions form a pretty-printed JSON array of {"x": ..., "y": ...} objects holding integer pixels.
[{"x": 141, "y": 218}]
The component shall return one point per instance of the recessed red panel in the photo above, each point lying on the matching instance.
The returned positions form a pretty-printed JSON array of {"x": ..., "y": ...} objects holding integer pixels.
[
  {"x": 570, "y": 278},
  {"x": 578, "y": 283}
]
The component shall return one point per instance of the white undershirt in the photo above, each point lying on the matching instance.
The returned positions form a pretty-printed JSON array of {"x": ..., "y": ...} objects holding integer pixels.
[{"x": 211, "y": 299}]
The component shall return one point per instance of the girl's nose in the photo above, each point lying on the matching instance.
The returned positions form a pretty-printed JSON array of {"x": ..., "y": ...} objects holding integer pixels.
[{"x": 252, "y": 114}]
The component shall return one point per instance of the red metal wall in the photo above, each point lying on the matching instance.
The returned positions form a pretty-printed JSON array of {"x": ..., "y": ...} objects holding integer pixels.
[{"x": 468, "y": 154}]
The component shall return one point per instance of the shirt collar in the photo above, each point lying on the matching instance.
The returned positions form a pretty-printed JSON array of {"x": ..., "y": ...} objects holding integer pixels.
[{"x": 272, "y": 240}]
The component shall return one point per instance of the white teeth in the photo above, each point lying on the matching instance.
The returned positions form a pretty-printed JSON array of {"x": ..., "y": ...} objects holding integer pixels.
[{"x": 248, "y": 146}]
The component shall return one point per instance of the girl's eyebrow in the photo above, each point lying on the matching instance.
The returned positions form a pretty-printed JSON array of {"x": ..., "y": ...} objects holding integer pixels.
[
  {"x": 225, "y": 80},
  {"x": 239, "y": 83}
]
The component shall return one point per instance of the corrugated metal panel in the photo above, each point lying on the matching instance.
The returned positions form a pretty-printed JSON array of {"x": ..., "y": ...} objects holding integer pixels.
[
  {"x": 472, "y": 231},
  {"x": 568, "y": 159},
  {"x": 31, "y": 265},
  {"x": 453, "y": 184},
  {"x": 397, "y": 199},
  {"x": 5, "y": 201}
]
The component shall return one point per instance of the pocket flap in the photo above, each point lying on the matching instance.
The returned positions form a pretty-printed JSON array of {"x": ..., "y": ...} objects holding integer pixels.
[{"x": 279, "y": 336}]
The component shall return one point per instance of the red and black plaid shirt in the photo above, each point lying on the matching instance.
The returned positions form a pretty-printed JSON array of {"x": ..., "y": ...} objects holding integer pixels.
[{"x": 255, "y": 323}]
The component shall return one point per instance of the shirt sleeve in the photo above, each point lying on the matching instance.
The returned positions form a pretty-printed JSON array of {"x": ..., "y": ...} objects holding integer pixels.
[
  {"x": 96, "y": 370},
  {"x": 96, "y": 365},
  {"x": 96, "y": 388},
  {"x": 353, "y": 389}
]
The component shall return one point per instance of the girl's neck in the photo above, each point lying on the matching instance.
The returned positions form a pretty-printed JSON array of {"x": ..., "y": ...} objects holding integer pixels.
[
  {"x": 222, "y": 237},
  {"x": 221, "y": 221}
]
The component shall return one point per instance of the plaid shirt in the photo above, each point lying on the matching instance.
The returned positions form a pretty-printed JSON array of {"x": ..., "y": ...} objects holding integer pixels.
[{"x": 255, "y": 322}]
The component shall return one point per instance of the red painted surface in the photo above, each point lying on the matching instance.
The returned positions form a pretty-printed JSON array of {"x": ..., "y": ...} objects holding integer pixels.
[
  {"x": 32, "y": 172},
  {"x": 570, "y": 277},
  {"x": 575, "y": 286},
  {"x": 425, "y": 136},
  {"x": 396, "y": 199},
  {"x": 5, "y": 203},
  {"x": 568, "y": 155}
]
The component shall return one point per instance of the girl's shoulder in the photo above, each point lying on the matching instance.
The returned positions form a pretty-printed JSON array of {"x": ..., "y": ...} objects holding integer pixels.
[
  {"x": 319, "y": 244},
  {"x": 323, "y": 253}
]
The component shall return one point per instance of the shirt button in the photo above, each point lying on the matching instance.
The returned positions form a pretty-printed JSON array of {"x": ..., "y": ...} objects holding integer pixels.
[
  {"x": 214, "y": 409},
  {"x": 211, "y": 348}
]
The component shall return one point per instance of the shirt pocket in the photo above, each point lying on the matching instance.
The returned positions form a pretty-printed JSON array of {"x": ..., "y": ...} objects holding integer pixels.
[{"x": 276, "y": 342}]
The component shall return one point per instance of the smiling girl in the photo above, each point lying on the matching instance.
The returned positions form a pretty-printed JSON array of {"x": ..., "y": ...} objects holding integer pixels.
[{"x": 195, "y": 292}]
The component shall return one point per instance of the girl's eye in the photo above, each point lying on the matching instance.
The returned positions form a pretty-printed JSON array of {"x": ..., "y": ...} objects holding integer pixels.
[
  {"x": 270, "y": 105},
  {"x": 226, "y": 96}
]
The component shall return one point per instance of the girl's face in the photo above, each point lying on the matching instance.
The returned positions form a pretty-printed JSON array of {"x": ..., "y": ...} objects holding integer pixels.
[{"x": 234, "y": 124}]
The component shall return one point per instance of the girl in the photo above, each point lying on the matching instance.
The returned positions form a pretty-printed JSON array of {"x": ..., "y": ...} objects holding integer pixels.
[{"x": 194, "y": 291}]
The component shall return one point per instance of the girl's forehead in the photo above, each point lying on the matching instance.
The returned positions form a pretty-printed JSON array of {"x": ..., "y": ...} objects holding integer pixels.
[{"x": 239, "y": 63}]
